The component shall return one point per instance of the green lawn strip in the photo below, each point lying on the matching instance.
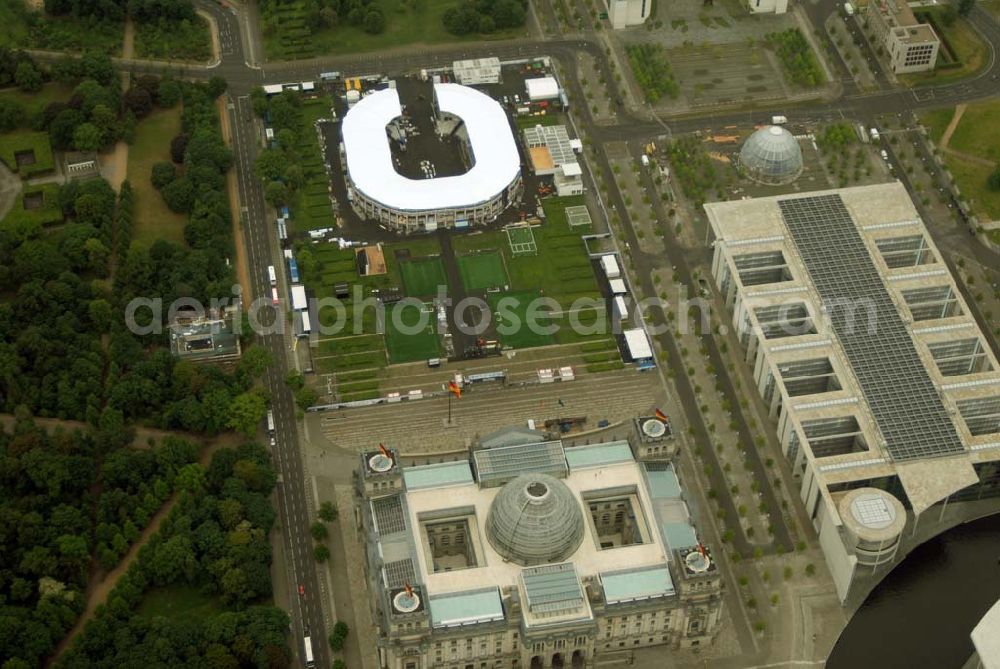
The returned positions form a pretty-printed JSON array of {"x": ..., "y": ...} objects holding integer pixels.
[
  {"x": 422, "y": 276},
  {"x": 405, "y": 341},
  {"x": 14, "y": 143},
  {"x": 153, "y": 218},
  {"x": 482, "y": 270},
  {"x": 971, "y": 180},
  {"x": 48, "y": 213},
  {"x": 531, "y": 121}
]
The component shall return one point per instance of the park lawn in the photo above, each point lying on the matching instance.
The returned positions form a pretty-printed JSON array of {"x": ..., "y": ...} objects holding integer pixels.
[
  {"x": 510, "y": 313},
  {"x": 936, "y": 121},
  {"x": 530, "y": 121},
  {"x": 153, "y": 219},
  {"x": 422, "y": 276},
  {"x": 971, "y": 180},
  {"x": 978, "y": 133},
  {"x": 34, "y": 103},
  {"x": 178, "y": 601},
  {"x": 402, "y": 343},
  {"x": 49, "y": 213},
  {"x": 482, "y": 270},
  {"x": 15, "y": 142},
  {"x": 174, "y": 40},
  {"x": 407, "y": 23}
]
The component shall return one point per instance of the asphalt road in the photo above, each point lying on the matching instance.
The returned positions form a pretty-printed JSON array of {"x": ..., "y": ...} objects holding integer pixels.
[
  {"x": 262, "y": 250},
  {"x": 242, "y": 50}
]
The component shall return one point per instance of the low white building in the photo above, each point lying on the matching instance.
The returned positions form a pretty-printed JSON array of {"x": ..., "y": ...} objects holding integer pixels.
[
  {"x": 625, "y": 13},
  {"x": 767, "y": 6},
  {"x": 551, "y": 153},
  {"x": 542, "y": 88},
  {"x": 477, "y": 71}
]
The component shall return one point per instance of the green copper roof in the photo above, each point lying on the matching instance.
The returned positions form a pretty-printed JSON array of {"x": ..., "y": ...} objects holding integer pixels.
[
  {"x": 466, "y": 608},
  {"x": 597, "y": 455},
  {"x": 679, "y": 535},
  {"x": 633, "y": 584},
  {"x": 438, "y": 475},
  {"x": 663, "y": 483}
]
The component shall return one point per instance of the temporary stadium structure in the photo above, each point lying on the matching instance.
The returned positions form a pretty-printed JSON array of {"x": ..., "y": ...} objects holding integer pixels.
[{"x": 480, "y": 195}]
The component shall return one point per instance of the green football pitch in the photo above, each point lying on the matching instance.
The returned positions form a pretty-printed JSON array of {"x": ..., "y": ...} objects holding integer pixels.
[
  {"x": 482, "y": 270},
  {"x": 422, "y": 277},
  {"x": 405, "y": 345},
  {"x": 512, "y": 322}
]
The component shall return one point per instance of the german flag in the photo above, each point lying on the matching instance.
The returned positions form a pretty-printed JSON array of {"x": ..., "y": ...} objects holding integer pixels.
[
  {"x": 454, "y": 389},
  {"x": 384, "y": 451},
  {"x": 661, "y": 416},
  {"x": 701, "y": 549}
]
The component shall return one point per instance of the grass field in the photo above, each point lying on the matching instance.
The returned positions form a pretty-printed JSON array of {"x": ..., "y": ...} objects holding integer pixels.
[
  {"x": 34, "y": 103},
  {"x": 153, "y": 219},
  {"x": 311, "y": 207},
  {"x": 936, "y": 121},
  {"x": 49, "y": 213},
  {"x": 977, "y": 134},
  {"x": 177, "y": 601},
  {"x": 407, "y": 23},
  {"x": 403, "y": 343},
  {"x": 482, "y": 270},
  {"x": 510, "y": 310},
  {"x": 422, "y": 276},
  {"x": 14, "y": 143},
  {"x": 531, "y": 121}
]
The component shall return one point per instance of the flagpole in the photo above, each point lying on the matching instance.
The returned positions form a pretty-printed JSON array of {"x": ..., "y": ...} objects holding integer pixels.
[{"x": 449, "y": 408}]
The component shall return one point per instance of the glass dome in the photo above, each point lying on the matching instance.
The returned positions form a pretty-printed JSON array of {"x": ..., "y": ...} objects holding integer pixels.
[
  {"x": 772, "y": 156},
  {"x": 535, "y": 519}
]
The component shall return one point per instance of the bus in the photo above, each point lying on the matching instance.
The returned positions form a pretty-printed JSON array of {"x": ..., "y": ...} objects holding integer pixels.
[
  {"x": 272, "y": 275},
  {"x": 307, "y": 643},
  {"x": 270, "y": 422}
]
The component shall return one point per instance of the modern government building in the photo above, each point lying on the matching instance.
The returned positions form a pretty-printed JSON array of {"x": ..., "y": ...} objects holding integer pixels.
[
  {"x": 378, "y": 192},
  {"x": 530, "y": 553},
  {"x": 884, "y": 392}
]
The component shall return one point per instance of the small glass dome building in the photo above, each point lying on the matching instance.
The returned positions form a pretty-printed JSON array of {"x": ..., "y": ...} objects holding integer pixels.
[
  {"x": 535, "y": 519},
  {"x": 772, "y": 156}
]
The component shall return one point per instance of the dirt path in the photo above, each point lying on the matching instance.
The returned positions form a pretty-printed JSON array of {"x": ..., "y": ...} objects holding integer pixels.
[
  {"x": 115, "y": 164},
  {"x": 101, "y": 585},
  {"x": 950, "y": 130},
  {"x": 242, "y": 269}
]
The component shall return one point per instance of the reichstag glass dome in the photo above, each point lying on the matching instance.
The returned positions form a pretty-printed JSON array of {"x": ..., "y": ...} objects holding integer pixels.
[
  {"x": 772, "y": 156},
  {"x": 535, "y": 519}
]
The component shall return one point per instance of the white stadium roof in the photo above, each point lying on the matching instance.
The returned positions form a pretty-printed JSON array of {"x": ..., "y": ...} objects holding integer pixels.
[{"x": 369, "y": 157}]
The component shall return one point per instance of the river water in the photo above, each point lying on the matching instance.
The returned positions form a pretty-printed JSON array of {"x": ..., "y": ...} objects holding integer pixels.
[{"x": 921, "y": 614}]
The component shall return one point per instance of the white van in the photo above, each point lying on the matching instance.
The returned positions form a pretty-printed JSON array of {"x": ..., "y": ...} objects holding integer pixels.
[{"x": 272, "y": 275}]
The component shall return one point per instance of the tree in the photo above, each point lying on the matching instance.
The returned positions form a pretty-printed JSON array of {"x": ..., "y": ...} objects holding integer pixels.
[
  {"x": 139, "y": 101},
  {"x": 321, "y": 553},
  {"x": 169, "y": 93},
  {"x": 306, "y": 397},
  {"x": 162, "y": 175},
  {"x": 374, "y": 22},
  {"x": 190, "y": 478},
  {"x": 178, "y": 147},
  {"x": 271, "y": 163},
  {"x": 87, "y": 137},
  {"x": 338, "y": 635},
  {"x": 246, "y": 412},
  {"x": 27, "y": 78},
  {"x": 329, "y": 17},
  {"x": 275, "y": 193},
  {"x": 993, "y": 181},
  {"x": 328, "y": 512},
  {"x": 318, "y": 531},
  {"x": 294, "y": 379},
  {"x": 11, "y": 115},
  {"x": 216, "y": 86},
  {"x": 179, "y": 195},
  {"x": 965, "y": 6},
  {"x": 255, "y": 361}
]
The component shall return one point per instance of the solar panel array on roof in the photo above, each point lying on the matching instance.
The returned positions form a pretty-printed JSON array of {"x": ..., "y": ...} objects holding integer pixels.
[
  {"x": 496, "y": 466},
  {"x": 389, "y": 517},
  {"x": 906, "y": 407},
  {"x": 399, "y": 572}
]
